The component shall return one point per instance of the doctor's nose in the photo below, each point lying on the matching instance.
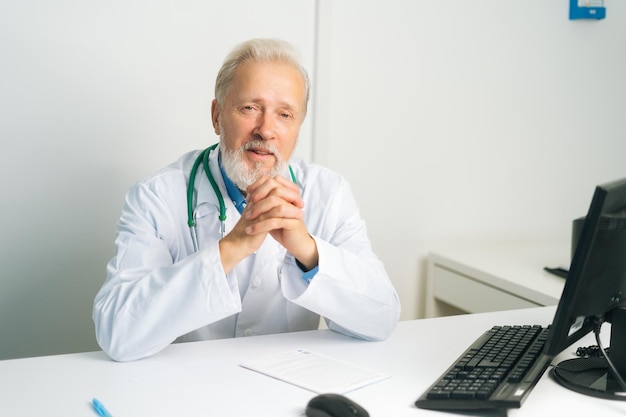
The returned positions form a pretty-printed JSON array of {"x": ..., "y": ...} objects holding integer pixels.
[{"x": 265, "y": 128}]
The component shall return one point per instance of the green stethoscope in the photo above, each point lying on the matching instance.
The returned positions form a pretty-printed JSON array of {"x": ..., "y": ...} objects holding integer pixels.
[{"x": 203, "y": 159}]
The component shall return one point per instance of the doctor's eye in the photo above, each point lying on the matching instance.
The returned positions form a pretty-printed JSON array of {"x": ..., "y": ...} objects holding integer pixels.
[
  {"x": 286, "y": 115},
  {"x": 248, "y": 109}
]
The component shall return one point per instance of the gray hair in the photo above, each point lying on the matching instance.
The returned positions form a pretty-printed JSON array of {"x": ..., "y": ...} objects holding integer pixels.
[{"x": 259, "y": 50}]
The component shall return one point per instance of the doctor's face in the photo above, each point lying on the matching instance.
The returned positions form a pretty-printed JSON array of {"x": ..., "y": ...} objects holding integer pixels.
[{"x": 260, "y": 119}]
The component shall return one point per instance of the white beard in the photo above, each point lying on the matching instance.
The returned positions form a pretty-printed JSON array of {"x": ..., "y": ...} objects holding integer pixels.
[{"x": 238, "y": 171}]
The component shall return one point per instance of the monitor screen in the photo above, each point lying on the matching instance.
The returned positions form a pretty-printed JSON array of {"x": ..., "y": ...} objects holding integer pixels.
[
  {"x": 596, "y": 282},
  {"x": 595, "y": 288}
]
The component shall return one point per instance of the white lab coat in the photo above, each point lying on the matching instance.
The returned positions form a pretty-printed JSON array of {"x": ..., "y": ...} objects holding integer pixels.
[{"x": 158, "y": 290}]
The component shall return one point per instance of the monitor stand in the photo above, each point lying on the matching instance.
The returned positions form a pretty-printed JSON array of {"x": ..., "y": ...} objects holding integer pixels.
[{"x": 591, "y": 376}]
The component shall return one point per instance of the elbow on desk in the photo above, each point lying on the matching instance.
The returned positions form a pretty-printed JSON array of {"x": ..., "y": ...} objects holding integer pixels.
[
  {"x": 119, "y": 352},
  {"x": 378, "y": 336},
  {"x": 375, "y": 328},
  {"x": 122, "y": 350},
  {"x": 120, "y": 346},
  {"x": 118, "y": 355}
]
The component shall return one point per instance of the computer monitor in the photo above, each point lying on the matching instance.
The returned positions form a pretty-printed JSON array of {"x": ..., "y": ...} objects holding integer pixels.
[{"x": 594, "y": 293}]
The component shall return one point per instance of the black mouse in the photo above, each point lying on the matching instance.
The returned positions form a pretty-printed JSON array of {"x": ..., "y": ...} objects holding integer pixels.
[{"x": 334, "y": 405}]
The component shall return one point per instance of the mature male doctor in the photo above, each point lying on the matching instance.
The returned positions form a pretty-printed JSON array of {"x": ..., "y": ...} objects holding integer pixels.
[{"x": 242, "y": 239}]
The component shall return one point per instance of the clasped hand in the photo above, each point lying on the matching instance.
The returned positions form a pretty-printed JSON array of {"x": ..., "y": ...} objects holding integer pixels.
[{"x": 274, "y": 206}]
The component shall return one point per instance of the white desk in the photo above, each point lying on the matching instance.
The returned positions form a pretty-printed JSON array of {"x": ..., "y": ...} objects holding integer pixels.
[
  {"x": 494, "y": 277},
  {"x": 204, "y": 379}
]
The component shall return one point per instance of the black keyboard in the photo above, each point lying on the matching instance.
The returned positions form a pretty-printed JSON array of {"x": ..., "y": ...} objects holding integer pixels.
[{"x": 497, "y": 371}]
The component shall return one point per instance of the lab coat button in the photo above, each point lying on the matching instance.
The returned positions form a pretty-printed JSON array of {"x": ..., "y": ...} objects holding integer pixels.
[{"x": 256, "y": 282}]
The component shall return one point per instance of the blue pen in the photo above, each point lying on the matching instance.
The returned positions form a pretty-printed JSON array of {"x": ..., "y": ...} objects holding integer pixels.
[{"x": 99, "y": 407}]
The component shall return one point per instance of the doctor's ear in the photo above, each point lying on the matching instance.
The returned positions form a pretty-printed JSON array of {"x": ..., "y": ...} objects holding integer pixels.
[{"x": 215, "y": 116}]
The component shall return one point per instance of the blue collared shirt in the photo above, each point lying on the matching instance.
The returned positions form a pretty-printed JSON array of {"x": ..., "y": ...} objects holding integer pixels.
[
  {"x": 239, "y": 200},
  {"x": 234, "y": 193}
]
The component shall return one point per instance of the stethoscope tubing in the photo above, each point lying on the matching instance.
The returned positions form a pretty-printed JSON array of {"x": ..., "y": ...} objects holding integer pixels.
[{"x": 203, "y": 158}]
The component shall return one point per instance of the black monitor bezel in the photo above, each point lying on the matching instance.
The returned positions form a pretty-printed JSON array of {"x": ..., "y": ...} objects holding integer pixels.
[{"x": 607, "y": 198}]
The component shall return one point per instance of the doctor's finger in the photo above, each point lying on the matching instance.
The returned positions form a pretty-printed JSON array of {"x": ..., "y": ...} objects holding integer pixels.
[
  {"x": 255, "y": 185},
  {"x": 273, "y": 206},
  {"x": 275, "y": 187},
  {"x": 273, "y": 224}
]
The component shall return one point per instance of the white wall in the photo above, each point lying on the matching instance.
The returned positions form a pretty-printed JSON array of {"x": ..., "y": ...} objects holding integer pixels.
[
  {"x": 454, "y": 120},
  {"x": 93, "y": 96},
  {"x": 463, "y": 121}
]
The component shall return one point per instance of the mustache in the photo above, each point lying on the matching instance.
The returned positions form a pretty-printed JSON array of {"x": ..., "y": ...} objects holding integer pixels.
[{"x": 261, "y": 145}]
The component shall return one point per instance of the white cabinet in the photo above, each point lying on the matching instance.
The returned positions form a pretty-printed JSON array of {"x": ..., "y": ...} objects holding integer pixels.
[{"x": 494, "y": 277}]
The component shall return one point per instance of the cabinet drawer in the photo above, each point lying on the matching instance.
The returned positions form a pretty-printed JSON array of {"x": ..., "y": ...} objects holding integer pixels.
[{"x": 473, "y": 296}]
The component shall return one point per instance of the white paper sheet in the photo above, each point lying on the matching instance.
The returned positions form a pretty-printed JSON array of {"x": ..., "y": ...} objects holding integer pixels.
[{"x": 315, "y": 372}]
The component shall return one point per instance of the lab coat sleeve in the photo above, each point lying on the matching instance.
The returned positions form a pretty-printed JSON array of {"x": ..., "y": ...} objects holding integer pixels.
[
  {"x": 351, "y": 289},
  {"x": 149, "y": 299}
]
